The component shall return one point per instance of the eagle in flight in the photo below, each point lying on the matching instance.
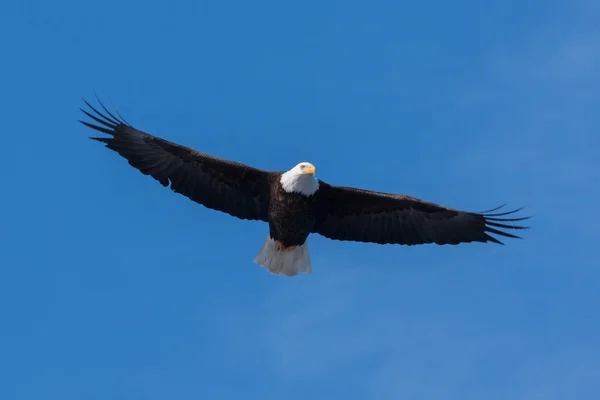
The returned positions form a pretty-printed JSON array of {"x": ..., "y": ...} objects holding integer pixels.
[{"x": 295, "y": 203}]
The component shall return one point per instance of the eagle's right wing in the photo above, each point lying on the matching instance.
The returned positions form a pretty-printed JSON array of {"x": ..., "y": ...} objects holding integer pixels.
[{"x": 237, "y": 189}]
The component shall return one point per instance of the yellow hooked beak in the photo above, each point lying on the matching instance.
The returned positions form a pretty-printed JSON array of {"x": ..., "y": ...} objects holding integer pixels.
[{"x": 310, "y": 170}]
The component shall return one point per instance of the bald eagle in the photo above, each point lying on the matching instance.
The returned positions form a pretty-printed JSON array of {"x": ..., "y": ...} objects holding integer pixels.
[{"x": 295, "y": 203}]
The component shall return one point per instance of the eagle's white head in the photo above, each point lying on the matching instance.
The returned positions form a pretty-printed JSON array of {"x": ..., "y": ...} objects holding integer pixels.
[{"x": 300, "y": 179}]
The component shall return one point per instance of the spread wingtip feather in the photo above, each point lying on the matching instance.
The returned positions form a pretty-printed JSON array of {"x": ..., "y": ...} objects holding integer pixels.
[{"x": 497, "y": 220}]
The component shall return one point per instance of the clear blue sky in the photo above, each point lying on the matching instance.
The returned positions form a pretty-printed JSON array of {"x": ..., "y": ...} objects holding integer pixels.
[{"x": 114, "y": 287}]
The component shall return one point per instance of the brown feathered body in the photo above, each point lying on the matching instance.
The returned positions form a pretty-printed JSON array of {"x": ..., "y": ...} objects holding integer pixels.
[{"x": 292, "y": 216}]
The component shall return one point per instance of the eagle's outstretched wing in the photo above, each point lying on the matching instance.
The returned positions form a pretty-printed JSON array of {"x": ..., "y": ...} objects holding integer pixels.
[
  {"x": 366, "y": 216},
  {"x": 237, "y": 189}
]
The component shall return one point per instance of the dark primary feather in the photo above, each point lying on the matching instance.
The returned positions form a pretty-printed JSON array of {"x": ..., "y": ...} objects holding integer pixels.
[
  {"x": 219, "y": 184},
  {"x": 366, "y": 216}
]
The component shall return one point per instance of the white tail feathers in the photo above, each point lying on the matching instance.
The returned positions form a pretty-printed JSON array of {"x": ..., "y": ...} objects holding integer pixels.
[{"x": 283, "y": 262}]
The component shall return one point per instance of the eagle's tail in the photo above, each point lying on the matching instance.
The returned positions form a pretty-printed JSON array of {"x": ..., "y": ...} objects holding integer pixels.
[{"x": 280, "y": 261}]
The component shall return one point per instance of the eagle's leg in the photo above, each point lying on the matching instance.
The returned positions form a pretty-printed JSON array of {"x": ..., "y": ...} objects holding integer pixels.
[
  {"x": 280, "y": 247},
  {"x": 283, "y": 260}
]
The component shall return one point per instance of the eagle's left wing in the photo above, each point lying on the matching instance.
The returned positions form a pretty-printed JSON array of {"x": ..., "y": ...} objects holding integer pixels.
[{"x": 366, "y": 216}]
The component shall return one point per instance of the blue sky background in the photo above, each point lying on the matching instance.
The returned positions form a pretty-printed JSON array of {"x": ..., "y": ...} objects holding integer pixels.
[{"x": 114, "y": 287}]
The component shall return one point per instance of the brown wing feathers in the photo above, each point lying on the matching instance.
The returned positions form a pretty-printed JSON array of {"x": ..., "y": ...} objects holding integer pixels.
[
  {"x": 223, "y": 185},
  {"x": 365, "y": 216},
  {"x": 492, "y": 221}
]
